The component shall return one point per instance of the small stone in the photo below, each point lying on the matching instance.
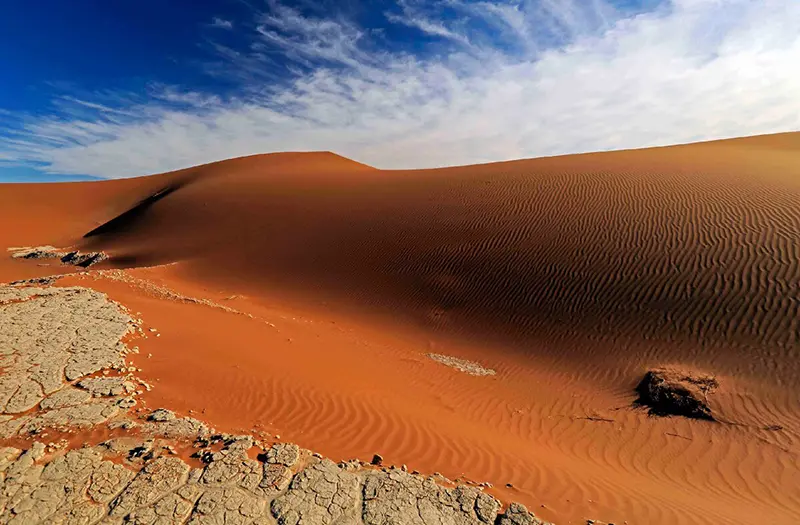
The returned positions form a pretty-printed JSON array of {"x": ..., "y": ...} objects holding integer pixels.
[{"x": 377, "y": 460}]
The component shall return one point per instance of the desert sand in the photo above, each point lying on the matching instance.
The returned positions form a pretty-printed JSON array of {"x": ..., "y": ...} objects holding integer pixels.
[
  {"x": 303, "y": 295},
  {"x": 84, "y": 451}
]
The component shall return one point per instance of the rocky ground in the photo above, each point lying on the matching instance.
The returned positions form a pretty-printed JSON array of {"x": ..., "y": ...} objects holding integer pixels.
[
  {"x": 63, "y": 373},
  {"x": 71, "y": 257}
]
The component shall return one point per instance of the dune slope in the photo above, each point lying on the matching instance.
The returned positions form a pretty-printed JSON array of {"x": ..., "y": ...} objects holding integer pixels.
[{"x": 694, "y": 244}]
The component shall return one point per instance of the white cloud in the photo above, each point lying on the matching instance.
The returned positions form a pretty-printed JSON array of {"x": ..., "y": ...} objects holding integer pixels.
[
  {"x": 414, "y": 15},
  {"x": 687, "y": 70},
  {"x": 221, "y": 23},
  {"x": 310, "y": 40}
]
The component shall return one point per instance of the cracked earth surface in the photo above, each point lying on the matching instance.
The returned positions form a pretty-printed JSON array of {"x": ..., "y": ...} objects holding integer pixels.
[{"x": 63, "y": 370}]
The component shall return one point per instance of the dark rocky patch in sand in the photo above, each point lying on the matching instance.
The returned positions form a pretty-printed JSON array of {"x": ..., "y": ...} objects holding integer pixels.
[
  {"x": 671, "y": 391},
  {"x": 72, "y": 258}
]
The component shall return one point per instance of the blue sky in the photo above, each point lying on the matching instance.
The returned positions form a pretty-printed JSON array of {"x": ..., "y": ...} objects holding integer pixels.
[{"x": 104, "y": 89}]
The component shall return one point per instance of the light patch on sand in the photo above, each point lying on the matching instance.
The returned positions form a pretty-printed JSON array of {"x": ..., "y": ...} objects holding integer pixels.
[
  {"x": 163, "y": 292},
  {"x": 462, "y": 365}
]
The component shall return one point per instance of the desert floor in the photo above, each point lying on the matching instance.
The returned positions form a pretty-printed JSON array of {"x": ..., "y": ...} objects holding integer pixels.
[{"x": 301, "y": 295}]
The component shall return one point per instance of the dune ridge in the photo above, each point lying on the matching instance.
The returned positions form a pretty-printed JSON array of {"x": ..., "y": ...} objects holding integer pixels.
[
  {"x": 664, "y": 244},
  {"x": 568, "y": 276}
]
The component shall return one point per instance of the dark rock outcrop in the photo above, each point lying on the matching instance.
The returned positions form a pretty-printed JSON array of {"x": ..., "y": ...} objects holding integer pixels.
[
  {"x": 670, "y": 391},
  {"x": 84, "y": 260},
  {"x": 73, "y": 258}
]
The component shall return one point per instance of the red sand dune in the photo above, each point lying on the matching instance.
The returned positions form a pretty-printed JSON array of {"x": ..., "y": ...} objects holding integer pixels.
[{"x": 569, "y": 276}]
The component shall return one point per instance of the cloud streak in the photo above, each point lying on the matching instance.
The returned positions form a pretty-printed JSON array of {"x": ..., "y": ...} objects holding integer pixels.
[
  {"x": 499, "y": 80},
  {"x": 221, "y": 23}
]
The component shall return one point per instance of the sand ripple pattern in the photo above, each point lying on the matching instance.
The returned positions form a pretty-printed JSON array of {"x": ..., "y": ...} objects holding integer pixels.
[{"x": 697, "y": 245}]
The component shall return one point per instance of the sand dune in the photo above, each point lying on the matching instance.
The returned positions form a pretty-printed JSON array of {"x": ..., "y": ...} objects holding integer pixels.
[{"x": 568, "y": 276}]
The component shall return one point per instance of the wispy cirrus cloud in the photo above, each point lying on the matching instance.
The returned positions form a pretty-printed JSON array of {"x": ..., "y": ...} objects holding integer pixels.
[
  {"x": 499, "y": 80},
  {"x": 416, "y": 15},
  {"x": 515, "y": 28},
  {"x": 221, "y": 23},
  {"x": 310, "y": 40}
]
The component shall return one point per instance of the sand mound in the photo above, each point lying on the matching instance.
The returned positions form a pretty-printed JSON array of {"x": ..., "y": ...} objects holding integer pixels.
[{"x": 667, "y": 245}]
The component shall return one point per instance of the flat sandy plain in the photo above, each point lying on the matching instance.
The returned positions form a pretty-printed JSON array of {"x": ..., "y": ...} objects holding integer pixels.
[{"x": 300, "y": 295}]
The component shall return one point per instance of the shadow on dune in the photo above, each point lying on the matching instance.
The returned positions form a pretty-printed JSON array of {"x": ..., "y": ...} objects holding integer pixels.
[
  {"x": 125, "y": 219},
  {"x": 691, "y": 247}
]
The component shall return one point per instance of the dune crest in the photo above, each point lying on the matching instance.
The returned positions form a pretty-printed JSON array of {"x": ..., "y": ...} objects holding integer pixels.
[{"x": 665, "y": 244}]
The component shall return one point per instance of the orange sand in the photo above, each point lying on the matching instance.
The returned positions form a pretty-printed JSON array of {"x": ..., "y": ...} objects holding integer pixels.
[{"x": 569, "y": 276}]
